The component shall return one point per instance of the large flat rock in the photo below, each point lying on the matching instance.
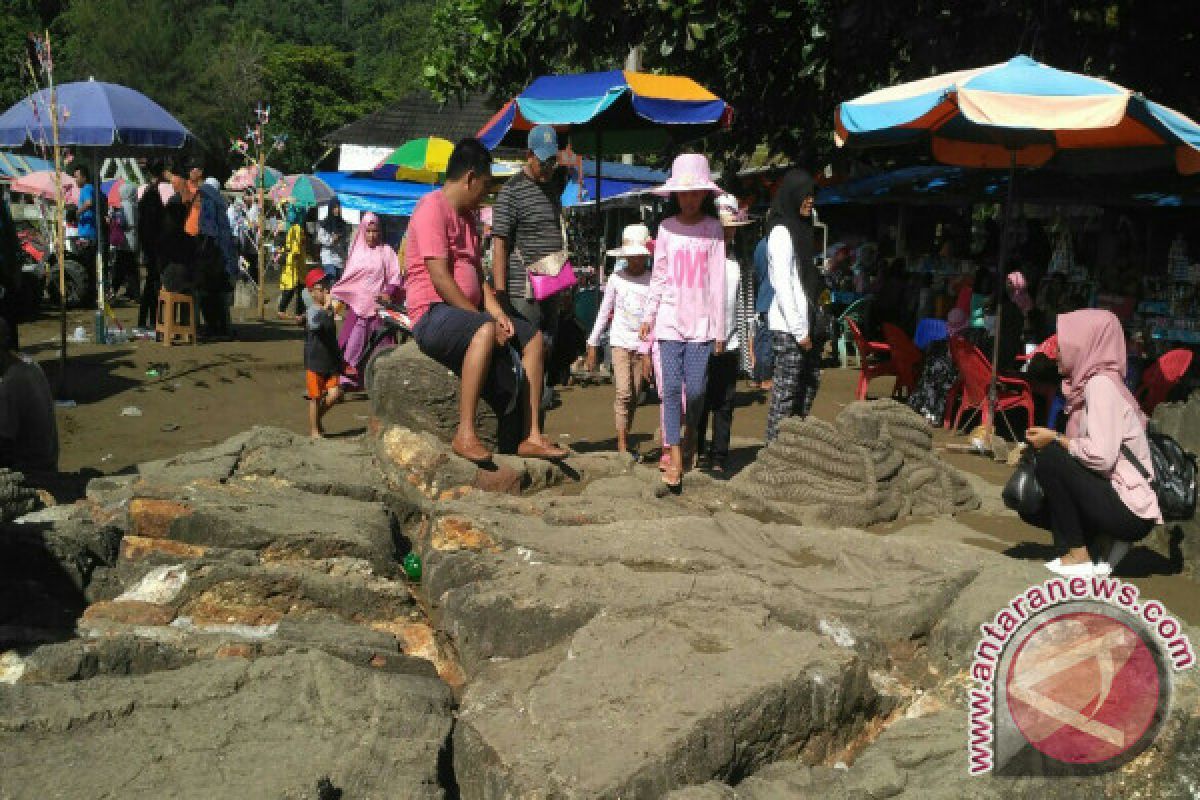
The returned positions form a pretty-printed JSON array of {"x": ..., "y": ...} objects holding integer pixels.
[
  {"x": 634, "y": 705},
  {"x": 269, "y": 728}
]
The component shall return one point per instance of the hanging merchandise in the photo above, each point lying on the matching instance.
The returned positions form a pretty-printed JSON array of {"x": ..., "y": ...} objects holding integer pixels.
[
  {"x": 1062, "y": 261},
  {"x": 1178, "y": 267}
]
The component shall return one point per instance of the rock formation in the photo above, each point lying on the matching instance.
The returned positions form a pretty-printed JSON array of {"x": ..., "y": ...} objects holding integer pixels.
[
  {"x": 874, "y": 465},
  {"x": 16, "y": 499},
  {"x": 234, "y": 622}
]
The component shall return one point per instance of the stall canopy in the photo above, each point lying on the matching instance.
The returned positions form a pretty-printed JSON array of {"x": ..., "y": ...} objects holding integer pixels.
[
  {"x": 394, "y": 198},
  {"x": 14, "y": 165},
  {"x": 634, "y": 112}
]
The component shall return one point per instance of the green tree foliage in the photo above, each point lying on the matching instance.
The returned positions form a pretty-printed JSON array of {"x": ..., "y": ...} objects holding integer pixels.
[
  {"x": 18, "y": 19},
  {"x": 319, "y": 63},
  {"x": 784, "y": 65},
  {"x": 312, "y": 91}
]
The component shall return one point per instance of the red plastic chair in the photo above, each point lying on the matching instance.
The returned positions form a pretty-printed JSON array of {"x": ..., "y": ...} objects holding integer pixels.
[
  {"x": 971, "y": 390},
  {"x": 1160, "y": 378},
  {"x": 869, "y": 364},
  {"x": 906, "y": 358}
]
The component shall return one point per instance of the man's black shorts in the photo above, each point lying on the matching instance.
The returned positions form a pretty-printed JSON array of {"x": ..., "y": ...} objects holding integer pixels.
[{"x": 445, "y": 333}]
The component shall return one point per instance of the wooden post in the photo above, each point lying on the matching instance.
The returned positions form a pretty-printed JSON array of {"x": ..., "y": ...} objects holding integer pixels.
[
  {"x": 59, "y": 232},
  {"x": 261, "y": 180}
]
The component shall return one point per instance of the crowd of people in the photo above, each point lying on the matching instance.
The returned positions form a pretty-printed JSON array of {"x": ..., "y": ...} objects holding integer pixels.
[{"x": 678, "y": 310}]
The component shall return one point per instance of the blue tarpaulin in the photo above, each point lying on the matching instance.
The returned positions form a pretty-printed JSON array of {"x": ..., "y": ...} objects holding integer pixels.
[
  {"x": 394, "y": 198},
  {"x": 616, "y": 179}
]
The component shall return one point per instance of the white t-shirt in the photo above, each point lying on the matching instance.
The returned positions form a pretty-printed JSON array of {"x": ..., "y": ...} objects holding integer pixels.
[
  {"x": 624, "y": 301},
  {"x": 789, "y": 309},
  {"x": 733, "y": 287}
]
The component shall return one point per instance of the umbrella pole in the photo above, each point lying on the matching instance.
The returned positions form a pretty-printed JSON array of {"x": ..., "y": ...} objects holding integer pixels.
[
  {"x": 60, "y": 256},
  {"x": 998, "y": 288},
  {"x": 599, "y": 194},
  {"x": 260, "y": 223}
]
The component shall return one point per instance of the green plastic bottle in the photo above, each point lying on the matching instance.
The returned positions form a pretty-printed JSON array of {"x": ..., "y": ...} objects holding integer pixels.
[{"x": 412, "y": 567}]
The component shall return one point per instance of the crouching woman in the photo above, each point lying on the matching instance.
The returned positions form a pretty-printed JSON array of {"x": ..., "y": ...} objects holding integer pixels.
[{"x": 1095, "y": 496}]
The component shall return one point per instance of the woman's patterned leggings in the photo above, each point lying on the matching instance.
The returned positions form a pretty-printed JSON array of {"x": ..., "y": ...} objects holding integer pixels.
[{"x": 684, "y": 367}]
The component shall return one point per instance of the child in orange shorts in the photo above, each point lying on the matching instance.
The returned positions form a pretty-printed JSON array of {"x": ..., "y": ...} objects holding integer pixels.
[{"x": 322, "y": 357}]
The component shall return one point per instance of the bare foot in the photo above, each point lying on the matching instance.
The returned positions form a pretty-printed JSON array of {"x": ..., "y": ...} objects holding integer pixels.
[
  {"x": 316, "y": 434},
  {"x": 470, "y": 448}
]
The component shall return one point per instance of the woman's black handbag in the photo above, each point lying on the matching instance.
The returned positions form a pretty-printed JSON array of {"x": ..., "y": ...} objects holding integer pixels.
[{"x": 1023, "y": 493}]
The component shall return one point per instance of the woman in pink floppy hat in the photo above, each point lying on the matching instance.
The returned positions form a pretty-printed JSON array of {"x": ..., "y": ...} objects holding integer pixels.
[{"x": 685, "y": 306}]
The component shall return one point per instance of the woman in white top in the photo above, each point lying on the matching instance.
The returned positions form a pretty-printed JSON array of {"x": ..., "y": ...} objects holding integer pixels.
[
  {"x": 797, "y": 286},
  {"x": 623, "y": 303}
]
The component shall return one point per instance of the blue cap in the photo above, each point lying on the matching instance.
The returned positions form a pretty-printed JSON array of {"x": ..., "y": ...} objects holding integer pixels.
[{"x": 543, "y": 142}]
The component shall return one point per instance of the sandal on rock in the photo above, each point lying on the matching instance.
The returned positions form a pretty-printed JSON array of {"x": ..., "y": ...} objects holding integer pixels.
[
  {"x": 673, "y": 479},
  {"x": 547, "y": 452},
  {"x": 474, "y": 451}
]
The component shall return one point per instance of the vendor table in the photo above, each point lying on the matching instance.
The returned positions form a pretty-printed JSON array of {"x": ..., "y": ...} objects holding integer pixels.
[{"x": 929, "y": 330}]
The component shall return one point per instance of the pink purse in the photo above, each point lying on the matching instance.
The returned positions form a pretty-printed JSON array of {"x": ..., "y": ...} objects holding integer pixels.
[{"x": 546, "y": 286}]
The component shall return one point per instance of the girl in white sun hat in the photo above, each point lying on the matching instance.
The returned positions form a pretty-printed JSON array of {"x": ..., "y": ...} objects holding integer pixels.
[
  {"x": 685, "y": 307},
  {"x": 623, "y": 304}
]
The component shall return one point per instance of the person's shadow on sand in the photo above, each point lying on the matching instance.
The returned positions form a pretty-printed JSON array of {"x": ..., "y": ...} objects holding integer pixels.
[{"x": 1141, "y": 562}]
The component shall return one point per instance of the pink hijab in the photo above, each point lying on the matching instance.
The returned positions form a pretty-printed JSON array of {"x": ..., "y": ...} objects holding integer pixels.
[
  {"x": 956, "y": 321},
  {"x": 370, "y": 272},
  {"x": 1090, "y": 343}
]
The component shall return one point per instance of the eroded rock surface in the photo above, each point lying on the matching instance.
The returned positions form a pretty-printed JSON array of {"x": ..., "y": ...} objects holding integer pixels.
[{"x": 874, "y": 465}]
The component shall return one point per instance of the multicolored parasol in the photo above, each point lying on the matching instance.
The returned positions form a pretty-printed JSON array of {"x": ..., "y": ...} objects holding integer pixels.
[
  {"x": 245, "y": 178},
  {"x": 307, "y": 191},
  {"x": 419, "y": 160}
]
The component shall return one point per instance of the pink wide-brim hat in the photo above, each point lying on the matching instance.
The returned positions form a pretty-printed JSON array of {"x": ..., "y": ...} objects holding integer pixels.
[{"x": 689, "y": 173}]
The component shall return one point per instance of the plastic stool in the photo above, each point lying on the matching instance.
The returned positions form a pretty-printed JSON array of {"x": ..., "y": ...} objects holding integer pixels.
[{"x": 176, "y": 318}]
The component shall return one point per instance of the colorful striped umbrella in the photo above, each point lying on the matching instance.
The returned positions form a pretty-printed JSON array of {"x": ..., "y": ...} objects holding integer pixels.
[
  {"x": 419, "y": 160},
  {"x": 1024, "y": 114},
  {"x": 614, "y": 112},
  {"x": 245, "y": 178},
  {"x": 306, "y": 191}
]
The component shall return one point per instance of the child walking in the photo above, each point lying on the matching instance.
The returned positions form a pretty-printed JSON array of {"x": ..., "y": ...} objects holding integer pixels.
[
  {"x": 623, "y": 304},
  {"x": 322, "y": 357},
  {"x": 723, "y": 368},
  {"x": 685, "y": 306}
]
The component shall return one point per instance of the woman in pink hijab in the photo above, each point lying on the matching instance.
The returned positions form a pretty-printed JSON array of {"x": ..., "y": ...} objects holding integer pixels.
[
  {"x": 372, "y": 276},
  {"x": 1094, "y": 493}
]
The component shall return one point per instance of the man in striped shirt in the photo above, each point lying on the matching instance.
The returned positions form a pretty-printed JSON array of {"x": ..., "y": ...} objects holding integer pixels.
[{"x": 526, "y": 228}]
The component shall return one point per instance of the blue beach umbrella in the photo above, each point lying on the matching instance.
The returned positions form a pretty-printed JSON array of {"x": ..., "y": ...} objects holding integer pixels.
[{"x": 104, "y": 118}]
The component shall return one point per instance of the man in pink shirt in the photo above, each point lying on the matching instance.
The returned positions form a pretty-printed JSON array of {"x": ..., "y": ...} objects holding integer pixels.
[{"x": 457, "y": 321}]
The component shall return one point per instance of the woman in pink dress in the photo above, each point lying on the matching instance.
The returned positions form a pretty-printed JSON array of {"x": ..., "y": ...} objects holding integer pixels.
[{"x": 372, "y": 276}]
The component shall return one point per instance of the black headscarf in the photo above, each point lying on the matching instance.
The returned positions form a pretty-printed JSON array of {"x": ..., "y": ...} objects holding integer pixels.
[
  {"x": 334, "y": 224},
  {"x": 785, "y": 210}
]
